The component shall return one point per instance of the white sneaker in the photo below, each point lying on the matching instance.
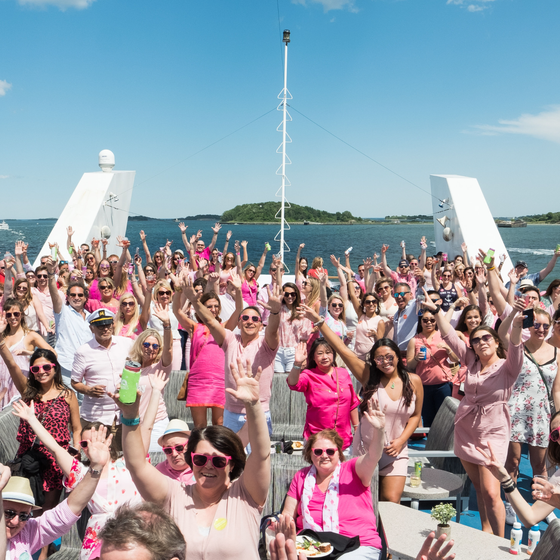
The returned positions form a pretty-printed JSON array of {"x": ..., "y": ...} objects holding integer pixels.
[{"x": 511, "y": 516}]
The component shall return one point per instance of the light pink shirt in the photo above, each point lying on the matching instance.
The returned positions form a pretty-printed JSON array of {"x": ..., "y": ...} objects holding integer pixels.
[
  {"x": 42, "y": 530},
  {"x": 146, "y": 395},
  {"x": 186, "y": 476},
  {"x": 259, "y": 354},
  {"x": 291, "y": 333},
  {"x": 96, "y": 365},
  {"x": 46, "y": 302}
]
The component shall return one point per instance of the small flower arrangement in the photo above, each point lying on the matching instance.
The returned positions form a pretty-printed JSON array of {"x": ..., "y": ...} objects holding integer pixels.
[{"x": 443, "y": 513}]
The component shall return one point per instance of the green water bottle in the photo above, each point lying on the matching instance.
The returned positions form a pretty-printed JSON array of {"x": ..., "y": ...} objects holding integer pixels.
[{"x": 129, "y": 382}]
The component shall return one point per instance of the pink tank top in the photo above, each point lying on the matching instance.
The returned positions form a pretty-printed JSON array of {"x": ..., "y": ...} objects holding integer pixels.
[
  {"x": 249, "y": 292},
  {"x": 397, "y": 414},
  {"x": 206, "y": 355}
]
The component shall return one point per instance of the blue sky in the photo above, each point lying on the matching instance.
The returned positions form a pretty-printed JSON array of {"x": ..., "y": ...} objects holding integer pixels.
[{"x": 467, "y": 87}]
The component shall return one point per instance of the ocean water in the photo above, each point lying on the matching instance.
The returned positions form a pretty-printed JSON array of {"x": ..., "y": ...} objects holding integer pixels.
[{"x": 534, "y": 244}]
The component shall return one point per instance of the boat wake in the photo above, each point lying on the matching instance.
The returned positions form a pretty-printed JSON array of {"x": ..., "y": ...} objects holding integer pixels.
[{"x": 531, "y": 251}]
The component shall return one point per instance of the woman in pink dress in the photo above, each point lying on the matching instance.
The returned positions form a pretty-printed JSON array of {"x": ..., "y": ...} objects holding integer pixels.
[
  {"x": 106, "y": 288},
  {"x": 384, "y": 375},
  {"x": 251, "y": 274},
  {"x": 483, "y": 414},
  {"x": 206, "y": 385}
]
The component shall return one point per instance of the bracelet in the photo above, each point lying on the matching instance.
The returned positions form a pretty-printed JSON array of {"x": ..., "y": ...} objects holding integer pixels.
[
  {"x": 130, "y": 421},
  {"x": 491, "y": 268},
  {"x": 469, "y": 291},
  {"x": 509, "y": 489},
  {"x": 296, "y": 367},
  {"x": 274, "y": 313},
  {"x": 437, "y": 310},
  {"x": 51, "y": 275},
  {"x": 94, "y": 473},
  {"x": 319, "y": 323},
  {"x": 178, "y": 290},
  {"x": 167, "y": 328},
  {"x": 355, "y": 426}
]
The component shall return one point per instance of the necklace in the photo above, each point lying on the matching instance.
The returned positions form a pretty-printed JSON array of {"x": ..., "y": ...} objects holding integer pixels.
[{"x": 393, "y": 385}]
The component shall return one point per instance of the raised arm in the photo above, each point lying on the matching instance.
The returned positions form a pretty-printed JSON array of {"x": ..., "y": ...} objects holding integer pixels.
[
  {"x": 226, "y": 244},
  {"x": 20, "y": 381},
  {"x": 435, "y": 274},
  {"x": 18, "y": 253},
  {"x": 27, "y": 413},
  {"x": 374, "y": 421},
  {"x": 297, "y": 272},
  {"x": 262, "y": 260},
  {"x": 513, "y": 324},
  {"x": 341, "y": 278},
  {"x": 125, "y": 244},
  {"x": 152, "y": 485},
  {"x": 146, "y": 308},
  {"x": 257, "y": 468},
  {"x": 216, "y": 229},
  {"x": 403, "y": 250},
  {"x": 231, "y": 323},
  {"x": 245, "y": 254},
  {"x": 163, "y": 315},
  {"x": 216, "y": 329},
  {"x": 158, "y": 381},
  {"x": 184, "y": 238},
  {"x": 323, "y": 279},
  {"x": 550, "y": 266},
  {"x": 53, "y": 290},
  {"x": 495, "y": 286},
  {"x": 384, "y": 267},
  {"x": 423, "y": 247},
  {"x": 145, "y": 247},
  {"x": 358, "y": 367},
  {"x": 513, "y": 279},
  {"x": 274, "y": 305}
]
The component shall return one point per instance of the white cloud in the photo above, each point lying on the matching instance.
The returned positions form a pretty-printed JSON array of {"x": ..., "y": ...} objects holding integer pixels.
[
  {"x": 4, "y": 176},
  {"x": 4, "y": 87},
  {"x": 475, "y": 8},
  {"x": 545, "y": 125},
  {"x": 478, "y": 6},
  {"x": 330, "y": 4},
  {"x": 62, "y": 4}
]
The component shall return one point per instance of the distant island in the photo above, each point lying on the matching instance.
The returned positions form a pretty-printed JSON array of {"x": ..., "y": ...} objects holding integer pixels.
[
  {"x": 417, "y": 218},
  {"x": 266, "y": 212},
  {"x": 213, "y": 217},
  {"x": 548, "y": 218}
]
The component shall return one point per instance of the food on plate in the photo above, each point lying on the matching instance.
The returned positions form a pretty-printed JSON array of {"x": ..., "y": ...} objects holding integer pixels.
[
  {"x": 297, "y": 444},
  {"x": 313, "y": 548}
]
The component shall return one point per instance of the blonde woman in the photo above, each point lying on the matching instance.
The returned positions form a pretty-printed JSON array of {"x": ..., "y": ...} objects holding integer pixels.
[
  {"x": 162, "y": 294},
  {"x": 128, "y": 317},
  {"x": 106, "y": 288},
  {"x": 155, "y": 353},
  {"x": 316, "y": 268}
]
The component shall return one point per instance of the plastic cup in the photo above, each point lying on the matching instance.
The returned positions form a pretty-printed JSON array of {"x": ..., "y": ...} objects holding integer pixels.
[{"x": 545, "y": 492}]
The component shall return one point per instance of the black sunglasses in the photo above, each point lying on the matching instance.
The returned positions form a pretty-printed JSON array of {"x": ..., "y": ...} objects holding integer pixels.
[{"x": 10, "y": 514}]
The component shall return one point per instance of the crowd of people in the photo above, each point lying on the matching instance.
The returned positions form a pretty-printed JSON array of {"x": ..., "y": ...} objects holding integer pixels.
[{"x": 375, "y": 351}]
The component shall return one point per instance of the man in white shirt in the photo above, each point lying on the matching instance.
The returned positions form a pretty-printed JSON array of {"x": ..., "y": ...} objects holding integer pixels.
[
  {"x": 97, "y": 368},
  {"x": 72, "y": 328}
]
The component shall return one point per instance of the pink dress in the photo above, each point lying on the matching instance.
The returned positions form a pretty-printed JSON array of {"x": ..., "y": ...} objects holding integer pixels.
[
  {"x": 327, "y": 409},
  {"x": 396, "y": 419},
  {"x": 483, "y": 414},
  {"x": 206, "y": 378},
  {"x": 94, "y": 304},
  {"x": 249, "y": 292},
  {"x": 364, "y": 343}
]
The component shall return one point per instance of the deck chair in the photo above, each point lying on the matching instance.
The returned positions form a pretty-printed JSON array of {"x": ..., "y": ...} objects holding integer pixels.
[{"x": 9, "y": 425}]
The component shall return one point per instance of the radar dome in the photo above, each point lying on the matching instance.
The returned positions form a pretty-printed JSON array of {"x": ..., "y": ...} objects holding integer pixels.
[{"x": 106, "y": 160}]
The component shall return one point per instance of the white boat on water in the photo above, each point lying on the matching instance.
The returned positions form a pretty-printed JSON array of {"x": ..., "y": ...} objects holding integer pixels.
[{"x": 4, "y": 225}]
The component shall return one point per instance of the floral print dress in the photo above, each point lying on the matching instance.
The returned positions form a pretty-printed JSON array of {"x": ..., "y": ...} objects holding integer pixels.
[
  {"x": 114, "y": 490},
  {"x": 528, "y": 405}
]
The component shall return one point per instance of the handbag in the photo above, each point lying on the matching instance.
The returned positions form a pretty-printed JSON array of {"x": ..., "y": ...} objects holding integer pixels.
[
  {"x": 549, "y": 396},
  {"x": 182, "y": 395}
]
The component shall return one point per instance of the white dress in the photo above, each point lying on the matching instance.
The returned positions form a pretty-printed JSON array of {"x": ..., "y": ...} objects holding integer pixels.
[
  {"x": 31, "y": 318},
  {"x": 5, "y": 378}
]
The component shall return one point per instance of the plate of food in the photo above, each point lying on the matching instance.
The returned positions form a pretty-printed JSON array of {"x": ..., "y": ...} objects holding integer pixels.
[
  {"x": 312, "y": 547},
  {"x": 297, "y": 445}
]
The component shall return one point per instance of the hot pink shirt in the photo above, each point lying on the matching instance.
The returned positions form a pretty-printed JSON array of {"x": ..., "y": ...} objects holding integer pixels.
[
  {"x": 325, "y": 409},
  {"x": 355, "y": 507},
  {"x": 259, "y": 354},
  {"x": 186, "y": 476}
]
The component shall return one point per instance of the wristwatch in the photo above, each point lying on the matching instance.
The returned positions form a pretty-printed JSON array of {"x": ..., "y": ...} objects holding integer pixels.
[{"x": 94, "y": 473}]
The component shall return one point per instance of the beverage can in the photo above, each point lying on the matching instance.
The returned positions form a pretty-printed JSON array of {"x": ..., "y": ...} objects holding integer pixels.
[
  {"x": 129, "y": 382},
  {"x": 84, "y": 270},
  {"x": 444, "y": 257},
  {"x": 278, "y": 447},
  {"x": 423, "y": 352},
  {"x": 418, "y": 469},
  {"x": 53, "y": 253},
  {"x": 558, "y": 247},
  {"x": 488, "y": 257},
  {"x": 267, "y": 245}
]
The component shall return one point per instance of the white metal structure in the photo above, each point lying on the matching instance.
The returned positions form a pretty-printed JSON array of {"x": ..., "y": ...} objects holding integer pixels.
[
  {"x": 284, "y": 95},
  {"x": 461, "y": 214},
  {"x": 97, "y": 208}
]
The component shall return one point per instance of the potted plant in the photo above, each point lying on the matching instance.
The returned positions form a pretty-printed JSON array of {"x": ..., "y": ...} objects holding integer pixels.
[{"x": 443, "y": 513}]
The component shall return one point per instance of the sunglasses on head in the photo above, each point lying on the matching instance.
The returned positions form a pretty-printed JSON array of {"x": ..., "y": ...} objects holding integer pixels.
[
  {"x": 555, "y": 435},
  {"x": 218, "y": 461},
  {"x": 179, "y": 448},
  {"x": 45, "y": 367},
  {"x": 543, "y": 326},
  {"x": 319, "y": 452},
  {"x": 164, "y": 293},
  {"x": 484, "y": 338},
  {"x": 155, "y": 345},
  {"x": 253, "y": 318},
  {"x": 10, "y": 514},
  {"x": 14, "y": 314},
  {"x": 401, "y": 294}
]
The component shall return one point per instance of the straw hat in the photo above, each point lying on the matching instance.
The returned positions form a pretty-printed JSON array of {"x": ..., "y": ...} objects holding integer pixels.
[
  {"x": 18, "y": 490},
  {"x": 176, "y": 426}
]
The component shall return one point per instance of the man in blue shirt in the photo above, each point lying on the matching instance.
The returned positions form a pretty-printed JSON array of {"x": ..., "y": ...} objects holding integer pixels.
[{"x": 521, "y": 269}]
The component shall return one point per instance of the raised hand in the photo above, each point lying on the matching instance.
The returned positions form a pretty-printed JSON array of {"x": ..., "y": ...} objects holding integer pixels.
[
  {"x": 3, "y": 322},
  {"x": 428, "y": 303},
  {"x": 403, "y": 244},
  {"x": 228, "y": 235},
  {"x": 323, "y": 278},
  {"x": 384, "y": 248},
  {"x": 50, "y": 265},
  {"x": 244, "y": 244},
  {"x": 301, "y": 352},
  {"x": 438, "y": 550},
  {"x": 162, "y": 313},
  {"x": 183, "y": 227},
  {"x": 335, "y": 262},
  {"x": 235, "y": 280},
  {"x": 217, "y": 227},
  {"x": 464, "y": 247},
  {"x": 199, "y": 234},
  {"x": 24, "y": 411},
  {"x": 70, "y": 231},
  {"x": 158, "y": 380},
  {"x": 275, "y": 297},
  {"x": 142, "y": 235},
  {"x": 368, "y": 263},
  {"x": 193, "y": 239},
  {"x": 301, "y": 245},
  {"x": 129, "y": 411},
  {"x": 247, "y": 386},
  {"x": 310, "y": 313},
  {"x": 98, "y": 448},
  {"x": 188, "y": 289},
  {"x": 513, "y": 277},
  {"x": 95, "y": 242},
  {"x": 374, "y": 415},
  {"x": 19, "y": 248},
  {"x": 105, "y": 242}
]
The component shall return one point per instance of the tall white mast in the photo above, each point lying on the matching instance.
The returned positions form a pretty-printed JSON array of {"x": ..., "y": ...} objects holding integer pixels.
[{"x": 284, "y": 95}]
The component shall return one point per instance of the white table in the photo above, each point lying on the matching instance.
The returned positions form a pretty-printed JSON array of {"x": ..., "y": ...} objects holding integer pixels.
[
  {"x": 407, "y": 528},
  {"x": 435, "y": 485}
]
